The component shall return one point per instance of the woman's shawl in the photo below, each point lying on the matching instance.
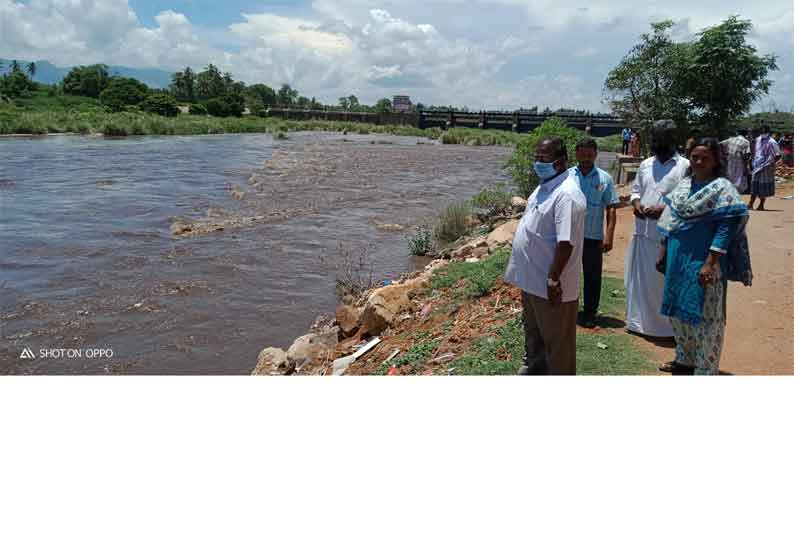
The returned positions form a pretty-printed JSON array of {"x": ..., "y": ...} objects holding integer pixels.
[
  {"x": 719, "y": 200},
  {"x": 764, "y": 153}
]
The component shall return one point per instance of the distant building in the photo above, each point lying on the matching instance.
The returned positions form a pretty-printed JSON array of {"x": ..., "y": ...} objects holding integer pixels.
[{"x": 401, "y": 104}]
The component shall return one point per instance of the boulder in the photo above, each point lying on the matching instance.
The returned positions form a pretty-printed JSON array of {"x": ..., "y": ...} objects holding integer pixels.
[
  {"x": 312, "y": 347},
  {"x": 270, "y": 360},
  {"x": 503, "y": 235},
  {"x": 385, "y": 304},
  {"x": 479, "y": 252},
  {"x": 347, "y": 318},
  {"x": 518, "y": 204},
  {"x": 465, "y": 251}
]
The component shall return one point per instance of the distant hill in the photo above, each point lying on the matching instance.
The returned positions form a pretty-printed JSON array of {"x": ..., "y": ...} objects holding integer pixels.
[{"x": 49, "y": 74}]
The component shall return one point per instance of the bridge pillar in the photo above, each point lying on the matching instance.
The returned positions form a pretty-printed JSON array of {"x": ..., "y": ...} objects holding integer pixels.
[{"x": 516, "y": 122}]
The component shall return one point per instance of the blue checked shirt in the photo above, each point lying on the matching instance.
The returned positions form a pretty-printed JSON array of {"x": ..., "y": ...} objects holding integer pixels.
[{"x": 599, "y": 191}]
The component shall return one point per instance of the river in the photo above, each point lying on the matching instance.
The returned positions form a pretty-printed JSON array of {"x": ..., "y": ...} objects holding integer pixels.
[{"x": 88, "y": 262}]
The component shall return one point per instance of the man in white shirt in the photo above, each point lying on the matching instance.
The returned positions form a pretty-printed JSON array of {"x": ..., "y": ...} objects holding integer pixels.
[
  {"x": 545, "y": 263},
  {"x": 656, "y": 177}
]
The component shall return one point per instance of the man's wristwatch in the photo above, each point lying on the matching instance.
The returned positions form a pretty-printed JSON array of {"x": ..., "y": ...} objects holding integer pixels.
[{"x": 551, "y": 282}]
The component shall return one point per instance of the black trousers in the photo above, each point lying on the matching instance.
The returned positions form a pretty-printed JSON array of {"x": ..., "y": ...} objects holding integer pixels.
[
  {"x": 626, "y": 147},
  {"x": 592, "y": 261}
]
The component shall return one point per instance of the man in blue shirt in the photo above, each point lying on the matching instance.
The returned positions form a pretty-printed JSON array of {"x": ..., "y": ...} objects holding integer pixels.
[
  {"x": 599, "y": 191},
  {"x": 626, "y": 140}
]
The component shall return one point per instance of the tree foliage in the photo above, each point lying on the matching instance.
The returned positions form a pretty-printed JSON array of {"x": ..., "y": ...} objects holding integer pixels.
[
  {"x": 86, "y": 80},
  {"x": 287, "y": 96},
  {"x": 383, "y": 106},
  {"x": 160, "y": 103},
  {"x": 710, "y": 81},
  {"x": 123, "y": 91}
]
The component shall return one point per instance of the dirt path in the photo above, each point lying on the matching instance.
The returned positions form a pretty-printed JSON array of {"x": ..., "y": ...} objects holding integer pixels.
[{"x": 760, "y": 333}]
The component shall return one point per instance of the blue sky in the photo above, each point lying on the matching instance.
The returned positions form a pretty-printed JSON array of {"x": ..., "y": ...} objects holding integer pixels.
[{"x": 479, "y": 53}]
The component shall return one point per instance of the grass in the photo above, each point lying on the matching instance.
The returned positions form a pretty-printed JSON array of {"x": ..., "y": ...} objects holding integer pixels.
[
  {"x": 500, "y": 350},
  {"x": 478, "y": 277},
  {"x": 416, "y": 357}
]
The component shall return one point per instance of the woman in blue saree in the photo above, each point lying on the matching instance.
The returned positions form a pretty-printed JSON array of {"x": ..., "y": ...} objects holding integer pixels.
[{"x": 704, "y": 246}]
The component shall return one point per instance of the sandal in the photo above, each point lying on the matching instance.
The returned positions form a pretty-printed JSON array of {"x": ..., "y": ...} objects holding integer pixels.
[{"x": 668, "y": 367}]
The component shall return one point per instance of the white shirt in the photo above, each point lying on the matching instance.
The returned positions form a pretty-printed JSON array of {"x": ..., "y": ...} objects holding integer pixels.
[
  {"x": 555, "y": 213},
  {"x": 654, "y": 180}
]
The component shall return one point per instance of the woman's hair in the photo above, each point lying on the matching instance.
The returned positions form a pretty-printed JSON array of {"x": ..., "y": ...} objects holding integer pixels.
[{"x": 713, "y": 145}]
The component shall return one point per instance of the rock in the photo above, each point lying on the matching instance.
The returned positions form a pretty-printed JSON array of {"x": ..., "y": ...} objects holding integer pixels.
[
  {"x": 312, "y": 347},
  {"x": 479, "y": 252},
  {"x": 503, "y": 235},
  {"x": 388, "y": 227},
  {"x": 468, "y": 249},
  {"x": 270, "y": 360},
  {"x": 181, "y": 228},
  {"x": 347, "y": 318},
  {"x": 385, "y": 304},
  {"x": 518, "y": 204}
]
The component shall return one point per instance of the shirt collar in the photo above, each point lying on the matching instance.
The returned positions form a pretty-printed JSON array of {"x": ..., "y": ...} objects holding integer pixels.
[
  {"x": 554, "y": 182},
  {"x": 675, "y": 158},
  {"x": 579, "y": 171}
]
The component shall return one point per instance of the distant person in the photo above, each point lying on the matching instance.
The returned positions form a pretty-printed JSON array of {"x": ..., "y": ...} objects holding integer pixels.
[
  {"x": 626, "y": 140},
  {"x": 767, "y": 153},
  {"x": 635, "y": 144},
  {"x": 599, "y": 191},
  {"x": 545, "y": 263},
  {"x": 737, "y": 155},
  {"x": 656, "y": 177},
  {"x": 787, "y": 149},
  {"x": 704, "y": 246}
]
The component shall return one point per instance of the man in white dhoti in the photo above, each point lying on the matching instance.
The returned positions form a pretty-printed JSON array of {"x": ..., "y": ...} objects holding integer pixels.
[
  {"x": 737, "y": 153},
  {"x": 656, "y": 177}
]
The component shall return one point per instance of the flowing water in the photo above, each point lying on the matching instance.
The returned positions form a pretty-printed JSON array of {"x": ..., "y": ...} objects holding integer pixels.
[{"x": 88, "y": 262}]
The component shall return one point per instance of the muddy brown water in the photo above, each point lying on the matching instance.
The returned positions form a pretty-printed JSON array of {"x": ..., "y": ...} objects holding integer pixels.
[{"x": 88, "y": 263}]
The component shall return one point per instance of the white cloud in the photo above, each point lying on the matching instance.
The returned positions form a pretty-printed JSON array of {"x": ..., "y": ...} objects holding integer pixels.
[{"x": 481, "y": 53}]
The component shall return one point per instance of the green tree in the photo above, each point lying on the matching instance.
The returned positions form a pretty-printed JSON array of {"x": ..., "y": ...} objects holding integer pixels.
[
  {"x": 344, "y": 104},
  {"x": 161, "y": 103},
  {"x": 86, "y": 80},
  {"x": 123, "y": 91},
  {"x": 16, "y": 84},
  {"x": 261, "y": 93},
  {"x": 287, "y": 96},
  {"x": 353, "y": 103},
  {"x": 383, "y": 106},
  {"x": 647, "y": 84},
  {"x": 32, "y": 69},
  {"x": 726, "y": 74},
  {"x": 183, "y": 85},
  {"x": 217, "y": 107},
  {"x": 210, "y": 83}
]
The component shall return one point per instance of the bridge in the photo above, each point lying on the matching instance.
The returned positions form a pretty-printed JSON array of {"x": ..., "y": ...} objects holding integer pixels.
[{"x": 517, "y": 121}]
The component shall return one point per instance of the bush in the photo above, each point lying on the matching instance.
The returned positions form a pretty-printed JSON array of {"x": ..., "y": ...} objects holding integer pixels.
[
  {"x": 493, "y": 201},
  {"x": 452, "y": 222},
  {"x": 421, "y": 242},
  {"x": 353, "y": 268},
  {"x": 161, "y": 104},
  {"x": 217, "y": 107},
  {"x": 521, "y": 163},
  {"x": 197, "y": 109},
  {"x": 122, "y": 92}
]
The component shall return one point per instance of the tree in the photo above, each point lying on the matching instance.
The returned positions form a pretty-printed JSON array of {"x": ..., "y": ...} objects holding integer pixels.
[
  {"x": 352, "y": 103},
  {"x": 32, "y": 69},
  {"x": 726, "y": 74},
  {"x": 14, "y": 66},
  {"x": 646, "y": 85},
  {"x": 183, "y": 85},
  {"x": 217, "y": 107},
  {"x": 383, "y": 106},
  {"x": 86, "y": 80},
  {"x": 123, "y": 91},
  {"x": 161, "y": 103},
  {"x": 210, "y": 83},
  {"x": 265, "y": 95},
  {"x": 287, "y": 96},
  {"x": 344, "y": 104},
  {"x": 16, "y": 84}
]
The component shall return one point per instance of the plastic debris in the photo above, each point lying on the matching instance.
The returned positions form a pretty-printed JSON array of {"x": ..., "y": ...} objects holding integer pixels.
[
  {"x": 341, "y": 364},
  {"x": 392, "y": 371},
  {"x": 393, "y": 355},
  {"x": 602, "y": 346}
]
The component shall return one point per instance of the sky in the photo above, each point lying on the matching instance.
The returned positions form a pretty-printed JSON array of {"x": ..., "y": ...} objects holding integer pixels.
[{"x": 494, "y": 54}]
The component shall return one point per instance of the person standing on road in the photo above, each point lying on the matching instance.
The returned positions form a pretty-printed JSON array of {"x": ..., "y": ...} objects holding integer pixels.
[
  {"x": 599, "y": 191},
  {"x": 656, "y": 177},
  {"x": 626, "y": 140},
  {"x": 737, "y": 154},
  {"x": 704, "y": 246},
  {"x": 767, "y": 153},
  {"x": 545, "y": 263}
]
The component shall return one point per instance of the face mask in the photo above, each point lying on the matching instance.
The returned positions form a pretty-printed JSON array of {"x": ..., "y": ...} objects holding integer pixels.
[{"x": 545, "y": 170}]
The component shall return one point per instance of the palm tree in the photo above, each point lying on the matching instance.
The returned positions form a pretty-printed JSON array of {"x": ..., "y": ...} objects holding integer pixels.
[
  {"x": 32, "y": 69},
  {"x": 14, "y": 66}
]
